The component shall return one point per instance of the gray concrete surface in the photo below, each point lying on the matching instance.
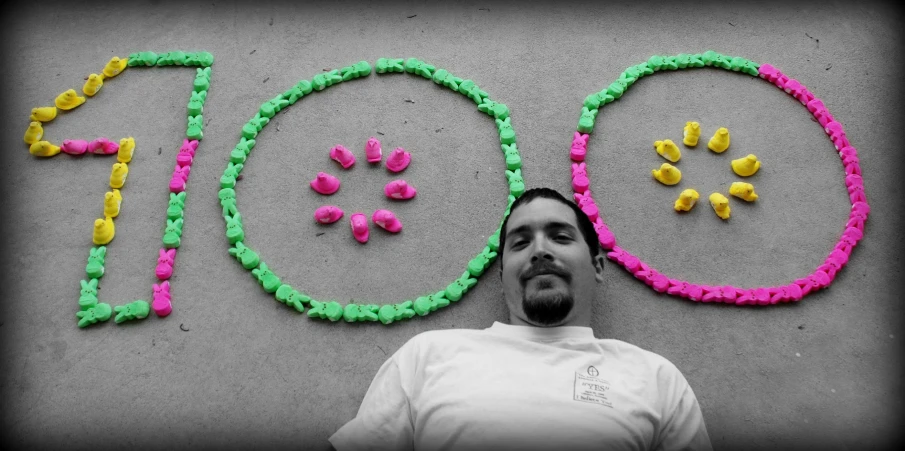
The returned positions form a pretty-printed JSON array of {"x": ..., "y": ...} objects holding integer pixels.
[{"x": 233, "y": 368}]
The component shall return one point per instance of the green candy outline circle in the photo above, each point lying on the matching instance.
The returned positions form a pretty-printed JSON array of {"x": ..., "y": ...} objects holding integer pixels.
[{"x": 353, "y": 312}]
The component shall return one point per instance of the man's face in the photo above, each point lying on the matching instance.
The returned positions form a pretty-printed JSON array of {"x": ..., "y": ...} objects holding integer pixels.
[{"x": 549, "y": 278}]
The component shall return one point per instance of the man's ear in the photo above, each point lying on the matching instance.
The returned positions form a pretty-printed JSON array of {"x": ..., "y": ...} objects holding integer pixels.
[{"x": 598, "y": 267}]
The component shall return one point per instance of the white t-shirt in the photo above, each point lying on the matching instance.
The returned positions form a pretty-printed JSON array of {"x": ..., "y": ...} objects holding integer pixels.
[{"x": 525, "y": 388}]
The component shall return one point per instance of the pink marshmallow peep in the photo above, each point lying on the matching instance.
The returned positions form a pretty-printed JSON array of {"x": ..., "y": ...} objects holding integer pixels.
[
  {"x": 616, "y": 253},
  {"x": 850, "y": 237},
  {"x": 398, "y": 160},
  {"x": 768, "y": 72},
  {"x": 103, "y": 146},
  {"x": 580, "y": 180},
  {"x": 818, "y": 109},
  {"x": 343, "y": 156},
  {"x": 165, "y": 264},
  {"x": 834, "y": 262},
  {"x": 399, "y": 189},
  {"x": 855, "y": 185},
  {"x": 373, "y": 151},
  {"x": 186, "y": 152},
  {"x": 723, "y": 293},
  {"x": 385, "y": 219},
  {"x": 836, "y": 134},
  {"x": 793, "y": 87},
  {"x": 579, "y": 147},
  {"x": 359, "y": 227},
  {"x": 180, "y": 178},
  {"x": 858, "y": 215},
  {"x": 161, "y": 304},
  {"x": 785, "y": 293},
  {"x": 604, "y": 235},
  {"x": 328, "y": 214},
  {"x": 325, "y": 183},
  {"x": 74, "y": 146},
  {"x": 587, "y": 205},
  {"x": 850, "y": 160},
  {"x": 624, "y": 258},
  {"x": 652, "y": 278},
  {"x": 799, "y": 91},
  {"x": 761, "y": 296},
  {"x": 685, "y": 289},
  {"x": 816, "y": 105},
  {"x": 813, "y": 282}
]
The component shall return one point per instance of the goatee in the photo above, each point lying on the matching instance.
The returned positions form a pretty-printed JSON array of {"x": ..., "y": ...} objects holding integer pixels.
[{"x": 547, "y": 309}]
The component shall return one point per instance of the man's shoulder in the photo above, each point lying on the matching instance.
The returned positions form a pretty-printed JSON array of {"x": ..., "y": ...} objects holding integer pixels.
[
  {"x": 628, "y": 351},
  {"x": 438, "y": 341},
  {"x": 444, "y": 335}
]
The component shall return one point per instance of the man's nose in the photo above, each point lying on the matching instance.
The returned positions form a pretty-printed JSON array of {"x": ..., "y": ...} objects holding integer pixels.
[{"x": 541, "y": 250}]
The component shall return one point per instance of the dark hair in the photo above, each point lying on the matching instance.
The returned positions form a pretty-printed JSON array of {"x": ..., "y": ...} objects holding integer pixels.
[{"x": 584, "y": 223}]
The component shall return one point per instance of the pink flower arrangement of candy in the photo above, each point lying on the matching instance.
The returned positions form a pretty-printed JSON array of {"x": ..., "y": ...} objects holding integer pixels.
[{"x": 327, "y": 184}]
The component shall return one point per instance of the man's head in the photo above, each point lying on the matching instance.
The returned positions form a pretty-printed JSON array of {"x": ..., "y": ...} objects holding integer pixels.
[{"x": 550, "y": 260}]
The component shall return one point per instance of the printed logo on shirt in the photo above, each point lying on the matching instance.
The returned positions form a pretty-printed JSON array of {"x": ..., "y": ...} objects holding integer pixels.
[
  {"x": 593, "y": 371},
  {"x": 591, "y": 389}
]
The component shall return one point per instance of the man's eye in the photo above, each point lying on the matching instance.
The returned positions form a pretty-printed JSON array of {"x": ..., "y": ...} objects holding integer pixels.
[
  {"x": 564, "y": 237},
  {"x": 519, "y": 243}
]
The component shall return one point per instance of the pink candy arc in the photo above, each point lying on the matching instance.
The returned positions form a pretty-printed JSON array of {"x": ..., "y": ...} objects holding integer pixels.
[{"x": 822, "y": 276}]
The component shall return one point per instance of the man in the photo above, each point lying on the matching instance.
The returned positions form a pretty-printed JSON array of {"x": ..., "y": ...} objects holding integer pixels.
[{"x": 540, "y": 382}]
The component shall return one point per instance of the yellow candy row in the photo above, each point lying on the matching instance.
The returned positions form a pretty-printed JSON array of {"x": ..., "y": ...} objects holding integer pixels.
[
  {"x": 668, "y": 174},
  {"x": 67, "y": 100},
  {"x": 691, "y": 133},
  {"x": 48, "y": 149},
  {"x": 104, "y": 229},
  {"x": 720, "y": 203}
]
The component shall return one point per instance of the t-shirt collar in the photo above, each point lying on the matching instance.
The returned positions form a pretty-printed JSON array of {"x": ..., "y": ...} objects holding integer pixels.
[{"x": 541, "y": 333}]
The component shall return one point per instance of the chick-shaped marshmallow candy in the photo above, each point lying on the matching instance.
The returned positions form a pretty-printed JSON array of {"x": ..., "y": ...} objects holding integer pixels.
[
  {"x": 93, "y": 84},
  {"x": 691, "y": 133},
  {"x": 744, "y": 191},
  {"x": 667, "y": 174},
  {"x": 68, "y": 100},
  {"x": 687, "y": 199},
  {"x": 746, "y": 165},
  {"x": 668, "y": 149},
  {"x": 720, "y": 205},
  {"x": 720, "y": 140},
  {"x": 103, "y": 231}
]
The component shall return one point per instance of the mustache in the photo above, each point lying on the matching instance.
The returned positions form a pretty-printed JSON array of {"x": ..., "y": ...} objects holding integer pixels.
[{"x": 545, "y": 267}]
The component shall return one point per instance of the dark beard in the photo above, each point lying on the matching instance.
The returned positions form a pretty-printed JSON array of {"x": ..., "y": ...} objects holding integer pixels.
[{"x": 547, "y": 309}]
